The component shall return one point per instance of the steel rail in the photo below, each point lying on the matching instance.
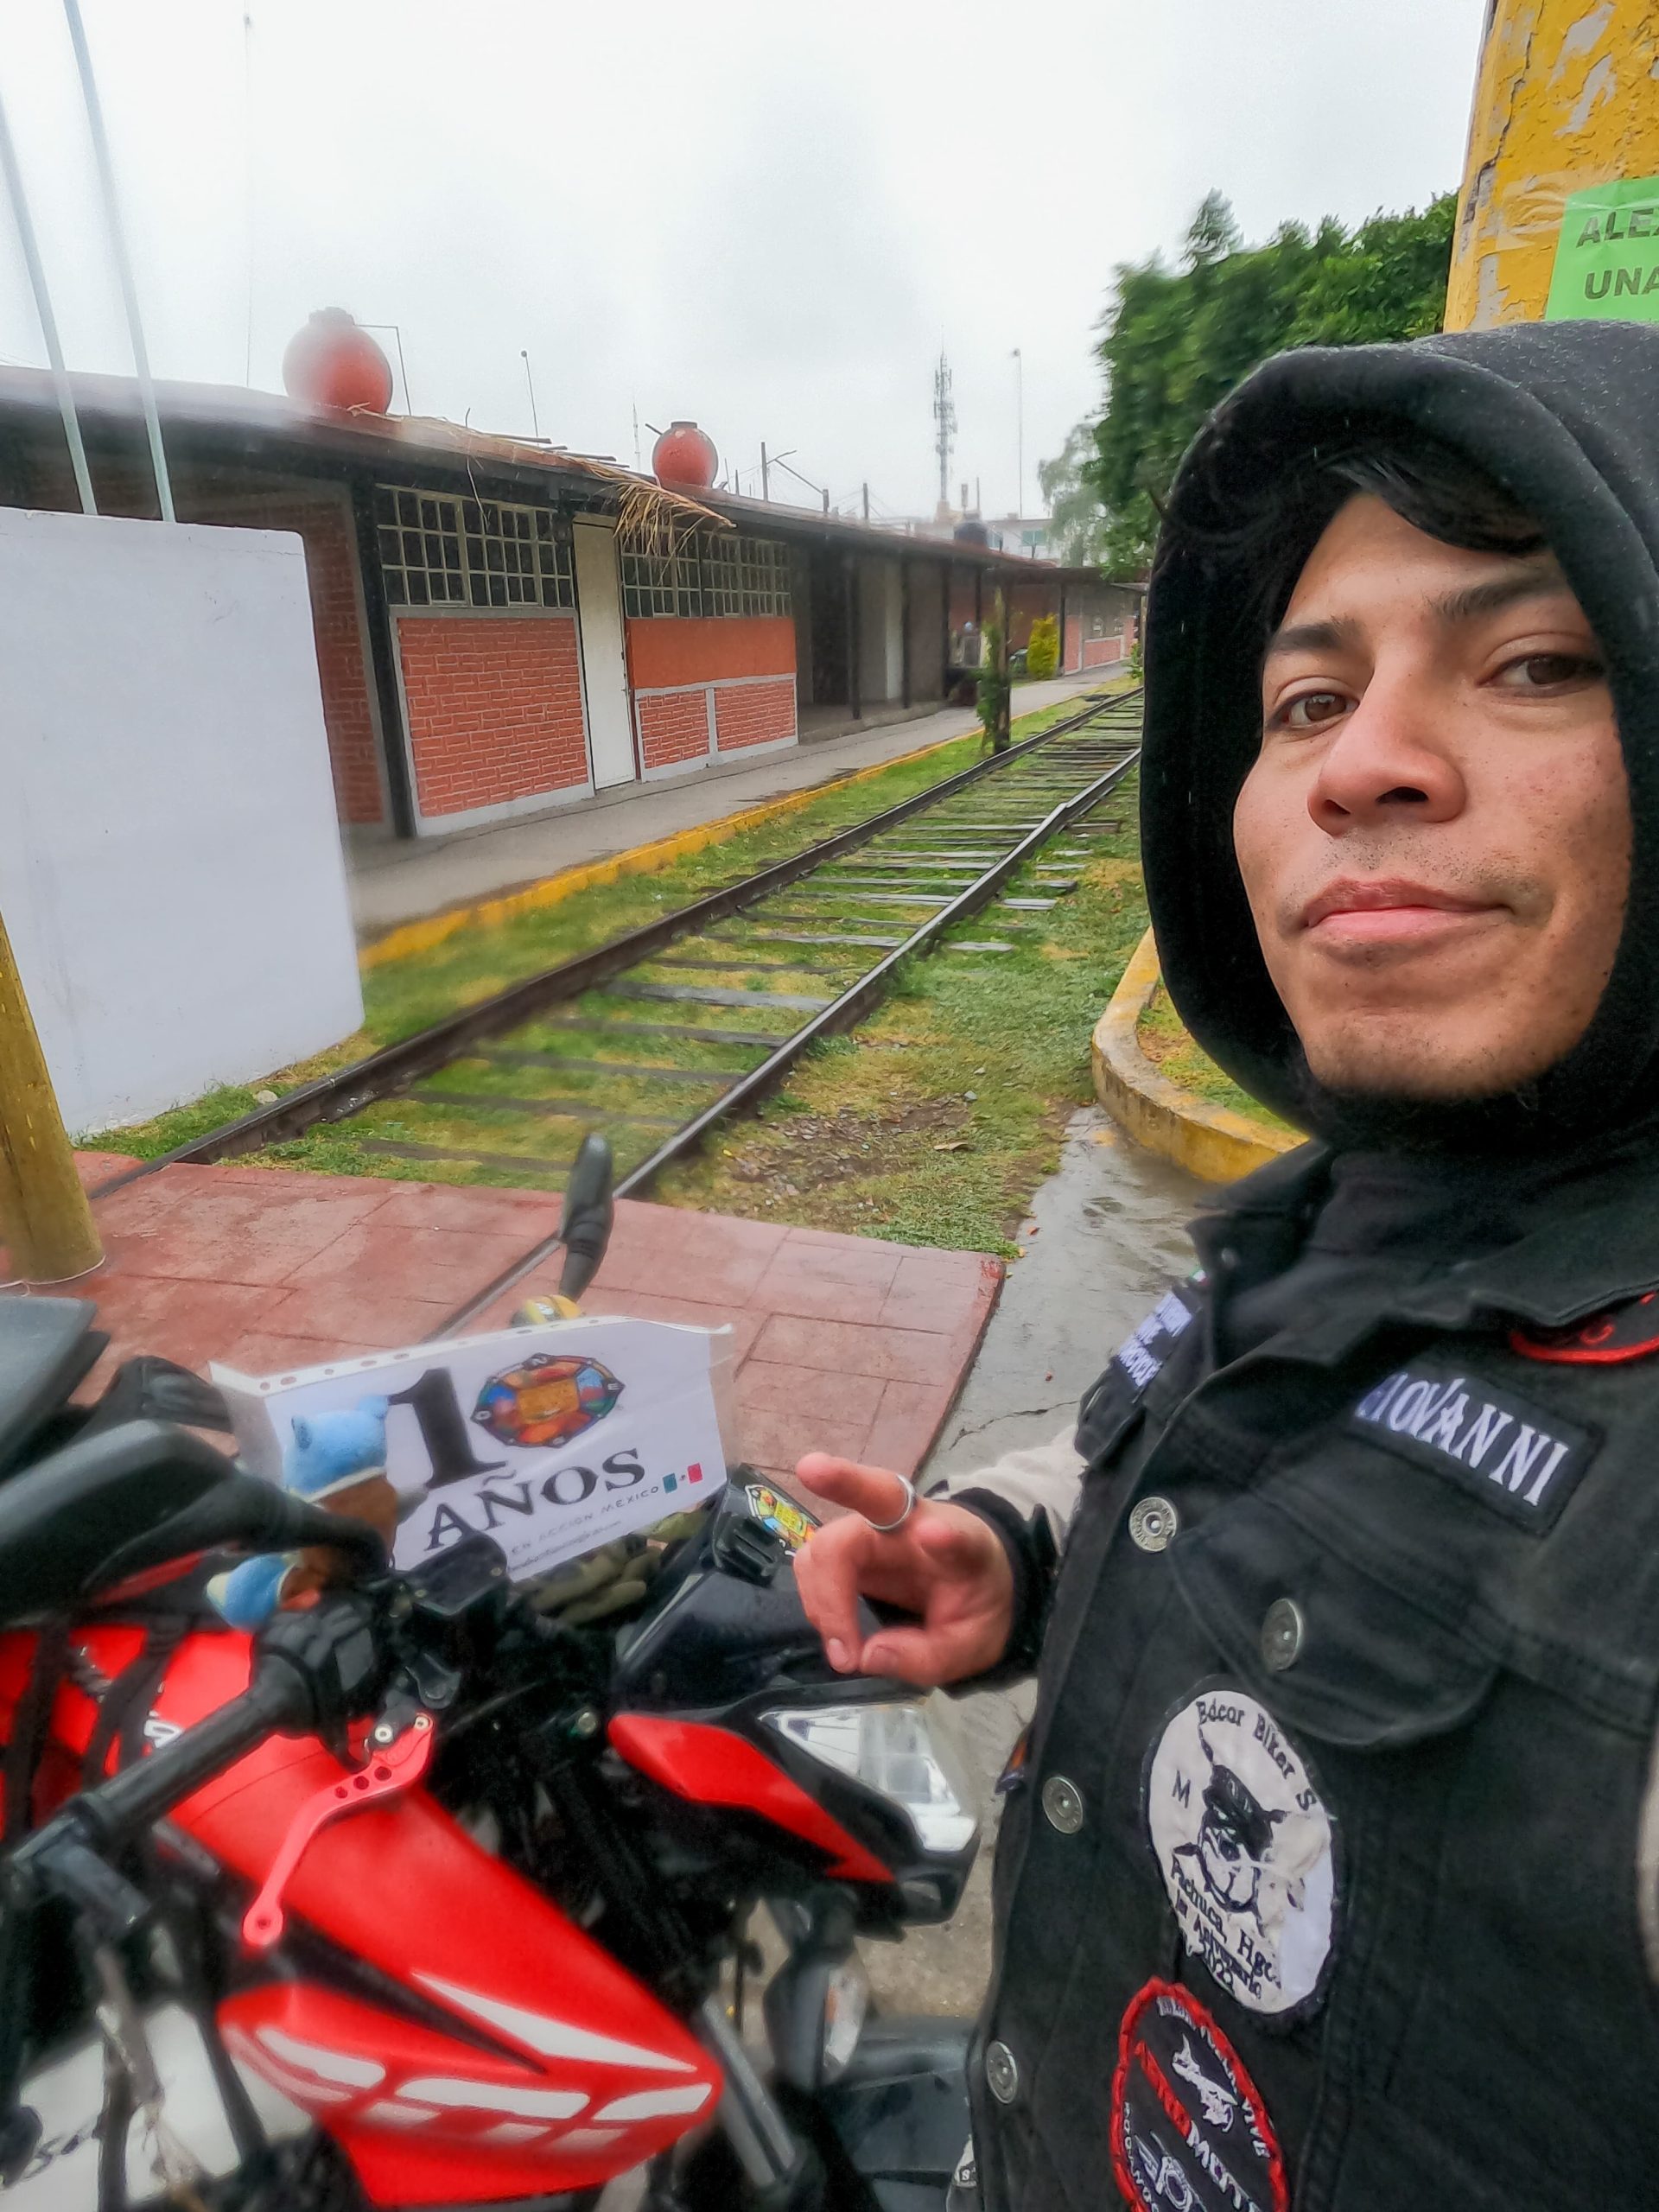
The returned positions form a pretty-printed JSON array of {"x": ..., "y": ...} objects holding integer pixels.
[
  {"x": 337, "y": 1097},
  {"x": 842, "y": 1014}
]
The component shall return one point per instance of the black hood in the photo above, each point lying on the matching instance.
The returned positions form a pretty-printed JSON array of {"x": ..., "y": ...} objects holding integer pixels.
[{"x": 1565, "y": 418}]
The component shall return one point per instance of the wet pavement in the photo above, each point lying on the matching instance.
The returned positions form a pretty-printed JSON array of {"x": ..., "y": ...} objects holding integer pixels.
[{"x": 1110, "y": 1237}]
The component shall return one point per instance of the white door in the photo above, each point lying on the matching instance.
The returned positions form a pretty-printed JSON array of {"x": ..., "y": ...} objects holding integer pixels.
[{"x": 604, "y": 662}]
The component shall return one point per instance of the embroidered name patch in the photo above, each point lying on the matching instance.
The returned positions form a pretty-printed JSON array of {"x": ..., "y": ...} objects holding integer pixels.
[
  {"x": 1189, "y": 2128},
  {"x": 1523, "y": 1462},
  {"x": 1246, "y": 1849},
  {"x": 1143, "y": 1353}
]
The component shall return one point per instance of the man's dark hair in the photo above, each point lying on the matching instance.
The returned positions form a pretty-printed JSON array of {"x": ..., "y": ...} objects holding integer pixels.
[{"x": 1433, "y": 489}]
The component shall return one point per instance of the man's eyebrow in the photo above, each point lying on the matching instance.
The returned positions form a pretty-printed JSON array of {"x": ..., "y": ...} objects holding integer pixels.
[
  {"x": 1537, "y": 578},
  {"x": 1312, "y": 638}
]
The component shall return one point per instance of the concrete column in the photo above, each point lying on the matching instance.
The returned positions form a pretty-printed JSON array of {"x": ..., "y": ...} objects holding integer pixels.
[{"x": 1567, "y": 98}]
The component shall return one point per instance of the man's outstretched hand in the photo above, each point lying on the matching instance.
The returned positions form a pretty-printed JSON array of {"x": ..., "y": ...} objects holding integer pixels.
[{"x": 943, "y": 1563}]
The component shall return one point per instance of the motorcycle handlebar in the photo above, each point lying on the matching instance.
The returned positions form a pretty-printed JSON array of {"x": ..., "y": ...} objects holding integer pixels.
[
  {"x": 312, "y": 1670},
  {"x": 250, "y": 1515}
]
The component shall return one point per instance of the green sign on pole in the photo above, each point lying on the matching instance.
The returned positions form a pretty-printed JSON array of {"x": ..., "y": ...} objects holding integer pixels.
[{"x": 1607, "y": 259}]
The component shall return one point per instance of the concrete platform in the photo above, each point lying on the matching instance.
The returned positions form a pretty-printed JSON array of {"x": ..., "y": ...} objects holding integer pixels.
[
  {"x": 844, "y": 1344},
  {"x": 404, "y": 880}
]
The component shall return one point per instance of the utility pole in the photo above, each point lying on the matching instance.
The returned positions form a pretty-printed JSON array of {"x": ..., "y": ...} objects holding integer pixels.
[
  {"x": 1020, "y": 418},
  {"x": 118, "y": 251},
  {"x": 44, "y": 1216},
  {"x": 944, "y": 426},
  {"x": 1565, "y": 127},
  {"x": 535, "y": 421},
  {"x": 765, "y": 476},
  {"x": 13, "y": 181}
]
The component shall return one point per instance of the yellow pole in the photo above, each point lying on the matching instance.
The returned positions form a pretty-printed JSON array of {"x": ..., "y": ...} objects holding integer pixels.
[
  {"x": 43, "y": 1211},
  {"x": 1567, "y": 98}
]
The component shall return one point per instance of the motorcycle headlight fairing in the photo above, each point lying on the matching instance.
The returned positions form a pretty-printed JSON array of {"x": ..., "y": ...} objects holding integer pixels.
[{"x": 904, "y": 1751}]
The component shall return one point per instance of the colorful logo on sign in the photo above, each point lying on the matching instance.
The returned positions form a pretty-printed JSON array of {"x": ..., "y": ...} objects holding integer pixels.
[{"x": 546, "y": 1400}]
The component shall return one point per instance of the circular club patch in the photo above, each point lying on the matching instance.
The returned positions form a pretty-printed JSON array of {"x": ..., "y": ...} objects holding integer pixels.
[
  {"x": 1189, "y": 2133},
  {"x": 1246, "y": 1849}
]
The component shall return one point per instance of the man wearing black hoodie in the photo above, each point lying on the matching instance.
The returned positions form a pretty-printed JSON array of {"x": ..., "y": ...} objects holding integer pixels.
[{"x": 1329, "y": 1876}]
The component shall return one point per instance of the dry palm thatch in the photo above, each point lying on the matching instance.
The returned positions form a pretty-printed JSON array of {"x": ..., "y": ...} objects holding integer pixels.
[{"x": 650, "y": 519}]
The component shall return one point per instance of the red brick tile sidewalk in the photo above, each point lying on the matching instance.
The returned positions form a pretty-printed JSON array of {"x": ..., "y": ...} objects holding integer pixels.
[{"x": 843, "y": 1344}]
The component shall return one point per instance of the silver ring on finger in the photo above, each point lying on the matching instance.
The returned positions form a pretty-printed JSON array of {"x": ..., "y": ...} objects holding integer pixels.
[{"x": 887, "y": 1528}]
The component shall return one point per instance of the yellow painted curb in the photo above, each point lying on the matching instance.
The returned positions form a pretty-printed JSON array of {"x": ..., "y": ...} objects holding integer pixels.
[
  {"x": 1208, "y": 1141},
  {"x": 642, "y": 860}
]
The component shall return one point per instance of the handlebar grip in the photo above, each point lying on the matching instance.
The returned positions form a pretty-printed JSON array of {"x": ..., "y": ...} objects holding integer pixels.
[
  {"x": 312, "y": 1670},
  {"x": 277, "y": 1699},
  {"x": 96, "y": 1889}
]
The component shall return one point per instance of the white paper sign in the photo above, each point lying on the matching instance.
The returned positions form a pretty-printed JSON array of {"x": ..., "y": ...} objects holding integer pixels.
[{"x": 551, "y": 1440}]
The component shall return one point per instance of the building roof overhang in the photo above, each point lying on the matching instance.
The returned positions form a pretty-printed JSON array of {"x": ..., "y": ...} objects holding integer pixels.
[{"x": 208, "y": 423}]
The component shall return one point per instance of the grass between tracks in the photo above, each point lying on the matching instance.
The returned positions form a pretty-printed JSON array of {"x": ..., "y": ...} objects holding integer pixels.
[
  {"x": 937, "y": 1119},
  {"x": 405, "y": 995},
  {"x": 1174, "y": 1053}
]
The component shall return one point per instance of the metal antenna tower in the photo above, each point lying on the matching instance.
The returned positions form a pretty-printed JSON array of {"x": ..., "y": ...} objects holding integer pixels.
[{"x": 944, "y": 432}]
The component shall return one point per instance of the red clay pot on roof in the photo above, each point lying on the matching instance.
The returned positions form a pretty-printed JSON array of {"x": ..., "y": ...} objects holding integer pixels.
[
  {"x": 334, "y": 362},
  {"x": 685, "y": 455}
]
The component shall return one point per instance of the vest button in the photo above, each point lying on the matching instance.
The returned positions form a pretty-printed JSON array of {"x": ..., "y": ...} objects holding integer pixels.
[
  {"x": 1152, "y": 1525},
  {"x": 1063, "y": 1804},
  {"x": 1283, "y": 1632},
  {"x": 1002, "y": 2074}
]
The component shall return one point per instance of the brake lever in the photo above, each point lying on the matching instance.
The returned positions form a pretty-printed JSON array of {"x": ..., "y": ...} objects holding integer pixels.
[{"x": 388, "y": 1770}]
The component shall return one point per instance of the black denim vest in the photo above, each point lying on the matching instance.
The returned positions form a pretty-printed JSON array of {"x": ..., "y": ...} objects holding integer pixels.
[{"x": 1427, "y": 1547}]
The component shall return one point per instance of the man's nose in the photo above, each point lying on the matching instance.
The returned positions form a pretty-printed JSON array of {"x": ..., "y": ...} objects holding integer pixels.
[{"x": 1387, "y": 764}]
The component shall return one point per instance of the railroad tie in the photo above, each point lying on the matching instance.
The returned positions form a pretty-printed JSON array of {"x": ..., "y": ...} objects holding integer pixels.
[
  {"x": 688, "y": 1033},
  {"x": 564, "y": 1109},
  {"x": 558, "y": 1063},
  {"x": 789, "y": 1001}
]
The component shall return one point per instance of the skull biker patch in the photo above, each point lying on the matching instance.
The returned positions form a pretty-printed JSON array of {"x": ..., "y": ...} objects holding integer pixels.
[{"x": 1247, "y": 1850}]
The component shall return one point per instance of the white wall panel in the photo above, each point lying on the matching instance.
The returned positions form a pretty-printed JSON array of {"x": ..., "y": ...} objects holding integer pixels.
[{"x": 170, "y": 866}]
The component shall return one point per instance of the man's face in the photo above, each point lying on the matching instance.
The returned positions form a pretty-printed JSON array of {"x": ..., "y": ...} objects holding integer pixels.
[{"x": 1435, "y": 838}]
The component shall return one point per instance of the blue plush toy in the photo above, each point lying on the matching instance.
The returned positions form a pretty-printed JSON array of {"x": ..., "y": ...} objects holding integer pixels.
[
  {"x": 337, "y": 1457},
  {"x": 330, "y": 1452}
]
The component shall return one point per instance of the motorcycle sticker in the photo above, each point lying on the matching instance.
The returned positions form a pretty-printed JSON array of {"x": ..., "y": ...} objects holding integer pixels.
[
  {"x": 1189, "y": 2130},
  {"x": 1247, "y": 1850},
  {"x": 546, "y": 1400},
  {"x": 788, "y": 1521}
]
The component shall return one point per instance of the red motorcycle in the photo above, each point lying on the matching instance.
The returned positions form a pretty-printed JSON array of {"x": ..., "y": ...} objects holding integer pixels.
[{"x": 428, "y": 1895}]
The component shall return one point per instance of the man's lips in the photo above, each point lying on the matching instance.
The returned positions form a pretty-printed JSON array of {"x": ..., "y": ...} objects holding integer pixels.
[{"x": 1388, "y": 911}]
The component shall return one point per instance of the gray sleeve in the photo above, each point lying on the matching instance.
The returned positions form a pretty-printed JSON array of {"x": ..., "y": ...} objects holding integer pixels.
[{"x": 1041, "y": 1479}]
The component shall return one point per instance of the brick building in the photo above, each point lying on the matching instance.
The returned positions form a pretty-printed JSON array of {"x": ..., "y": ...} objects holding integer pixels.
[{"x": 502, "y": 626}]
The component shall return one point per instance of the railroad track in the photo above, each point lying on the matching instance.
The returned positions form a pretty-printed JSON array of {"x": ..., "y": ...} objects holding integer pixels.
[{"x": 658, "y": 1036}]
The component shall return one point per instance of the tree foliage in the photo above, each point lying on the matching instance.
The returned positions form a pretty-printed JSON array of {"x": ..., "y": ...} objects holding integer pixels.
[
  {"x": 1043, "y": 646},
  {"x": 1077, "y": 519},
  {"x": 1176, "y": 340}
]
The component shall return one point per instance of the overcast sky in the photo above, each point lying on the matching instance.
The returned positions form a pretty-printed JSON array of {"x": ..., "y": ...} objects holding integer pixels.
[{"x": 765, "y": 217}]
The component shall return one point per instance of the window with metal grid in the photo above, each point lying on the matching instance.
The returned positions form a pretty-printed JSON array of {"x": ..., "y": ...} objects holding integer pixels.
[
  {"x": 722, "y": 574},
  {"x": 440, "y": 551},
  {"x": 663, "y": 583}
]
